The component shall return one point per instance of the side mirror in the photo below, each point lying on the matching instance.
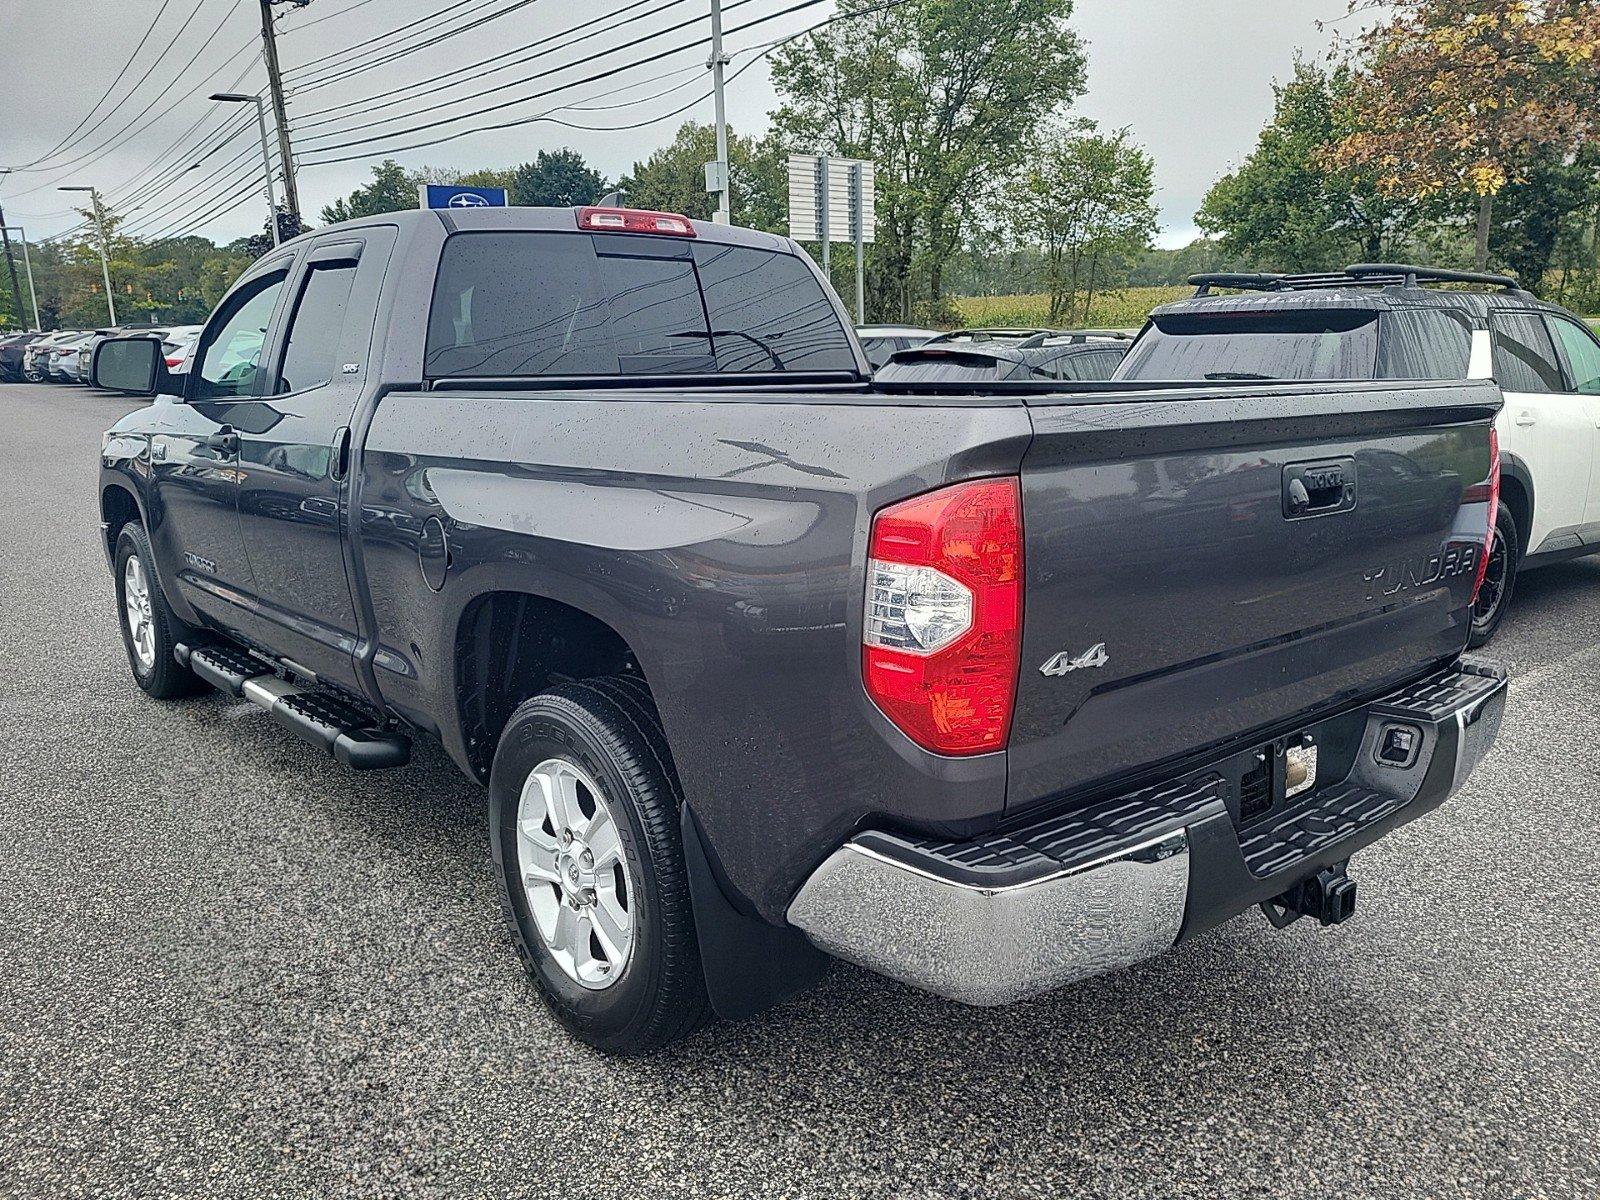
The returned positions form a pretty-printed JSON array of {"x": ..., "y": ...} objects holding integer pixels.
[{"x": 133, "y": 365}]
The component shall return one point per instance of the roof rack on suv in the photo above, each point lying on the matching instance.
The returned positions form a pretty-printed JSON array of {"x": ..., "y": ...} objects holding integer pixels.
[{"x": 1356, "y": 275}]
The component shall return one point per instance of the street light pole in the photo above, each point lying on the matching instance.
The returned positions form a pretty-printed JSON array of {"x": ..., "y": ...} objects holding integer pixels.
[
  {"x": 266, "y": 154},
  {"x": 105, "y": 248},
  {"x": 27, "y": 265},
  {"x": 719, "y": 60}
]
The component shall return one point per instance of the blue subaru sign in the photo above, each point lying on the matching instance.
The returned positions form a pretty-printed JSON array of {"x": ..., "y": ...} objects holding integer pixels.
[{"x": 449, "y": 195}]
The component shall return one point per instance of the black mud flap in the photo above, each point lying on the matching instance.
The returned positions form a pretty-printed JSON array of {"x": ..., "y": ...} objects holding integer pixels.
[{"x": 749, "y": 965}]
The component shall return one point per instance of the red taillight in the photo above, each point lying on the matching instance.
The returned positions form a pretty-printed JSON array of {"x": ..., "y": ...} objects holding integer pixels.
[
  {"x": 172, "y": 362},
  {"x": 941, "y": 638},
  {"x": 634, "y": 220},
  {"x": 1494, "y": 509}
]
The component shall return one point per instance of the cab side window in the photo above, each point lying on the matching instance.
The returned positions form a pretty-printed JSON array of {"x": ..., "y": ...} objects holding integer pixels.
[
  {"x": 1582, "y": 353},
  {"x": 229, "y": 353},
  {"x": 317, "y": 327},
  {"x": 1524, "y": 354}
]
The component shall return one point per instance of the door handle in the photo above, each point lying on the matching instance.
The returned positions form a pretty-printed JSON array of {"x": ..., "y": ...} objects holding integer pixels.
[
  {"x": 1525, "y": 418},
  {"x": 225, "y": 439}
]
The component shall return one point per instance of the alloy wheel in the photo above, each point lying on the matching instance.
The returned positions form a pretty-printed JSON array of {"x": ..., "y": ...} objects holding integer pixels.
[
  {"x": 576, "y": 880},
  {"x": 138, "y": 613}
]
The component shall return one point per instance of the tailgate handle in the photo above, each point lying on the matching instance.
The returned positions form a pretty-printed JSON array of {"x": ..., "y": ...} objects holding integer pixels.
[{"x": 1315, "y": 489}]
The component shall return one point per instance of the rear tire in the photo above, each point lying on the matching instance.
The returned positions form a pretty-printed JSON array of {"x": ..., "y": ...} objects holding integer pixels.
[
  {"x": 1494, "y": 597},
  {"x": 149, "y": 628},
  {"x": 569, "y": 902}
]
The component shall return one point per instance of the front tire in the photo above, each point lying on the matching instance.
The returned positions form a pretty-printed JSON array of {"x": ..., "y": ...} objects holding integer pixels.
[
  {"x": 1500, "y": 578},
  {"x": 149, "y": 628},
  {"x": 583, "y": 809}
]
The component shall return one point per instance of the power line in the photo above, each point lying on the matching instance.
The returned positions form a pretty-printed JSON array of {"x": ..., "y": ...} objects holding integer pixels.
[
  {"x": 606, "y": 74},
  {"x": 95, "y": 106},
  {"x": 343, "y": 55},
  {"x": 299, "y": 25},
  {"x": 123, "y": 133},
  {"x": 471, "y": 72},
  {"x": 148, "y": 72}
]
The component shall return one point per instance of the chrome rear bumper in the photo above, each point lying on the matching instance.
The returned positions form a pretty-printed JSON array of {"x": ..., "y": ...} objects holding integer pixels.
[{"x": 1076, "y": 894}]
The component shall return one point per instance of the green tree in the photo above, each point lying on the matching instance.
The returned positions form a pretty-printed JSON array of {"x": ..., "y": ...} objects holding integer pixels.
[
  {"x": 673, "y": 179},
  {"x": 391, "y": 190},
  {"x": 557, "y": 179},
  {"x": 1287, "y": 208},
  {"x": 943, "y": 96},
  {"x": 1085, "y": 200}
]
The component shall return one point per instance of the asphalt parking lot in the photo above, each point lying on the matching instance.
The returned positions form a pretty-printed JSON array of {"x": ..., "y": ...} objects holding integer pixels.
[{"x": 230, "y": 967}]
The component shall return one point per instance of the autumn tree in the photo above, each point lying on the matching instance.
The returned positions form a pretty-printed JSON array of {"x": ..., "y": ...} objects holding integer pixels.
[{"x": 1468, "y": 95}]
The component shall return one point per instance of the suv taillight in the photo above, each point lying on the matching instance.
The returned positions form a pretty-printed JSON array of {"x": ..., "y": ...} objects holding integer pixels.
[
  {"x": 1494, "y": 510},
  {"x": 941, "y": 638}
]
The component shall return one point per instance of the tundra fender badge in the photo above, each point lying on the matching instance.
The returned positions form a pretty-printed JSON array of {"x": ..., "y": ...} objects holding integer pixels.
[{"x": 1060, "y": 664}]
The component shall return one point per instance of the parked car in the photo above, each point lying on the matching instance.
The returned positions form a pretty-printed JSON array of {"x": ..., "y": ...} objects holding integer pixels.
[
  {"x": 38, "y": 357},
  {"x": 1074, "y": 354},
  {"x": 63, "y": 366},
  {"x": 986, "y": 687},
  {"x": 881, "y": 341},
  {"x": 178, "y": 346},
  {"x": 1382, "y": 321},
  {"x": 12, "y": 347}
]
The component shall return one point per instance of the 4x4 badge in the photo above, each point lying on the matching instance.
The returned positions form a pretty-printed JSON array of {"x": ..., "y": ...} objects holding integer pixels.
[{"x": 1060, "y": 664}]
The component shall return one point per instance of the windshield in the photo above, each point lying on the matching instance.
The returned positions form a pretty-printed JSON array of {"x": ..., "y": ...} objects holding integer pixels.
[{"x": 1304, "y": 344}]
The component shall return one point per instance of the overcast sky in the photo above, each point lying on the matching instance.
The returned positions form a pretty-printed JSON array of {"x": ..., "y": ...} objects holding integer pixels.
[{"x": 1192, "y": 79}]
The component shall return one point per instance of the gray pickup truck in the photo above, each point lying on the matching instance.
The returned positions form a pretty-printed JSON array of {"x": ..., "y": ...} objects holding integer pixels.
[{"x": 985, "y": 686}]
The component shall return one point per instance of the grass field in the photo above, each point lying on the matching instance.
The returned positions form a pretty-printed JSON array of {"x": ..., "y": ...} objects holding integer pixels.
[{"x": 1125, "y": 309}]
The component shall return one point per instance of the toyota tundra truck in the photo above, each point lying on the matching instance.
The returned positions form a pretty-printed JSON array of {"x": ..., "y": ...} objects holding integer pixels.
[{"x": 986, "y": 686}]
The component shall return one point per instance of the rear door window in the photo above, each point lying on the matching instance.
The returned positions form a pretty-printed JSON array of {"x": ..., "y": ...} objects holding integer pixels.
[
  {"x": 1311, "y": 343},
  {"x": 316, "y": 328},
  {"x": 1582, "y": 353},
  {"x": 529, "y": 303},
  {"x": 1524, "y": 354}
]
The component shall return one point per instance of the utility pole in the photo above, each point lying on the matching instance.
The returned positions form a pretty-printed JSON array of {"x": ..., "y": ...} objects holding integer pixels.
[
  {"x": 11, "y": 265},
  {"x": 719, "y": 60},
  {"x": 105, "y": 246},
  {"x": 269, "y": 43}
]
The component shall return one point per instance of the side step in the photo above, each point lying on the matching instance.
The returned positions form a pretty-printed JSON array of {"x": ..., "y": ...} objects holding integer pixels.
[{"x": 323, "y": 720}]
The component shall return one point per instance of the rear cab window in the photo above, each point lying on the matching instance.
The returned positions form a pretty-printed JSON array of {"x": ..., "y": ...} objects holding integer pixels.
[{"x": 532, "y": 303}]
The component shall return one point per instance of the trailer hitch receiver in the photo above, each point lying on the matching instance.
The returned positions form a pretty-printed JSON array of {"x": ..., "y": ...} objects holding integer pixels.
[{"x": 1329, "y": 896}]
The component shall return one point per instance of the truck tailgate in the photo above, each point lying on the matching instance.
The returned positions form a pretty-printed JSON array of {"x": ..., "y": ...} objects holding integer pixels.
[{"x": 1203, "y": 570}]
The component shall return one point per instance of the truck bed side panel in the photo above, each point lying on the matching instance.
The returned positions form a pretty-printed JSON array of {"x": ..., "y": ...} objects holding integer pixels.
[{"x": 725, "y": 540}]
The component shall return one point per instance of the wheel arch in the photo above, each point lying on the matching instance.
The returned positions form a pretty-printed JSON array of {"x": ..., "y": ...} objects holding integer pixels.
[
  {"x": 1517, "y": 494},
  {"x": 119, "y": 507},
  {"x": 509, "y": 644}
]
